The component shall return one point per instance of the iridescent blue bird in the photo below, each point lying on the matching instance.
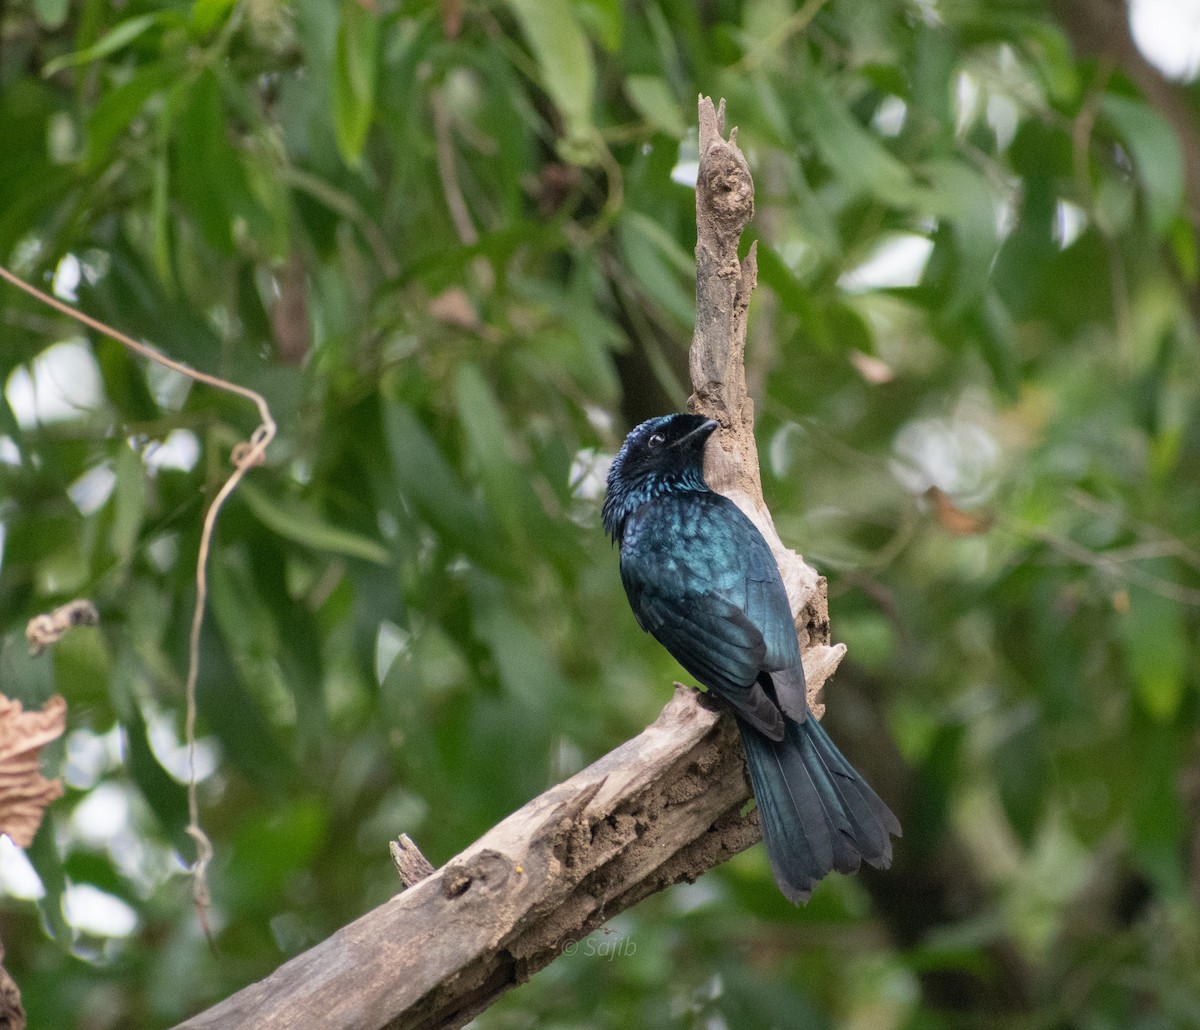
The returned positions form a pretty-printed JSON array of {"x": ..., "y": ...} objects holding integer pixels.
[{"x": 701, "y": 579}]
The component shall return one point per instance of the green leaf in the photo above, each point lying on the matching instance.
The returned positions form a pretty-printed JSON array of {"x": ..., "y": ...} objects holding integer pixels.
[
  {"x": 658, "y": 263},
  {"x": 125, "y": 382},
  {"x": 525, "y": 668},
  {"x": 166, "y": 796},
  {"x": 51, "y": 13},
  {"x": 206, "y": 14},
  {"x": 1023, "y": 773},
  {"x": 431, "y": 485},
  {"x": 853, "y": 154},
  {"x": 44, "y": 856},
  {"x": 297, "y": 637},
  {"x": 1186, "y": 249},
  {"x": 1156, "y": 156},
  {"x": 603, "y": 19},
  {"x": 298, "y": 522},
  {"x": 129, "y": 503},
  {"x": 1159, "y": 825},
  {"x": 961, "y": 195},
  {"x": 269, "y": 850},
  {"x": 483, "y": 421},
  {"x": 238, "y": 720},
  {"x": 204, "y": 176},
  {"x": 355, "y": 70},
  {"x": 1050, "y": 54},
  {"x": 112, "y": 41},
  {"x": 1154, "y": 638},
  {"x": 568, "y": 72},
  {"x": 652, "y": 99},
  {"x": 25, "y": 678}
]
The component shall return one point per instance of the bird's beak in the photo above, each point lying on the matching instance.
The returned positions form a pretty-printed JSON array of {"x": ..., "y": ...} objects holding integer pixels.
[{"x": 703, "y": 431}]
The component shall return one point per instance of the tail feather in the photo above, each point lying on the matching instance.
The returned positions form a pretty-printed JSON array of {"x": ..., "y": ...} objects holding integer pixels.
[{"x": 817, "y": 813}]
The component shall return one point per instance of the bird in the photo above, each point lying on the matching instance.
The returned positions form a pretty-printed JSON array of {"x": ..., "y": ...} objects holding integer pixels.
[{"x": 702, "y": 580}]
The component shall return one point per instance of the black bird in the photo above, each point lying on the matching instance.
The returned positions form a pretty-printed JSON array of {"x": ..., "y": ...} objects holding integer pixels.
[{"x": 701, "y": 579}]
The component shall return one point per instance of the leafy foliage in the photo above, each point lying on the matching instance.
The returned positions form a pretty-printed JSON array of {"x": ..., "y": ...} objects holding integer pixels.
[{"x": 451, "y": 245}]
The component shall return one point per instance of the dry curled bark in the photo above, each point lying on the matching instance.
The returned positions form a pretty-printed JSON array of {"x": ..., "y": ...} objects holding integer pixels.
[
  {"x": 661, "y": 808},
  {"x": 25, "y": 793}
]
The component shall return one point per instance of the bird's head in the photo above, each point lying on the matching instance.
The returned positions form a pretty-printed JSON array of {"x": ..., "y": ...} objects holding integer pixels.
[{"x": 662, "y": 455}]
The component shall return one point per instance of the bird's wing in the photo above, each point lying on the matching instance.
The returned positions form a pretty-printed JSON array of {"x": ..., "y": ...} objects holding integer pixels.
[
  {"x": 717, "y": 644},
  {"x": 764, "y": 600},
  {"x": 703, "y": 581},
  {"x": 766, "y": 604}
]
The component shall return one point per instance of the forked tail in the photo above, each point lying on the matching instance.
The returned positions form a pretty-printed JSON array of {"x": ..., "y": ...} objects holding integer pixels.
[{"x": 816, "y": 812}]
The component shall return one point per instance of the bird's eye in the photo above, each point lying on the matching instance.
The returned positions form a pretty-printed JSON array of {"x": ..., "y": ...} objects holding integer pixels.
[{"x": 656, "y": 440}]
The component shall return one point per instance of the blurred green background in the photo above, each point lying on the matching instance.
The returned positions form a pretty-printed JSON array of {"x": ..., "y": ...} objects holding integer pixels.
[{"x": 452, "y": 244}]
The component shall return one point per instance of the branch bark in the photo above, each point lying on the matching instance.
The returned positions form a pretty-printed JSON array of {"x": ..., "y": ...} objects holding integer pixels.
[
  {"x": 661, "y": 808},
  {"x": 724, "y": 206}
]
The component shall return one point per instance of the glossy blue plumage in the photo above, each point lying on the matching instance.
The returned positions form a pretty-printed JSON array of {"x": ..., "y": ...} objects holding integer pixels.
[{"x": 702, "y": 580}]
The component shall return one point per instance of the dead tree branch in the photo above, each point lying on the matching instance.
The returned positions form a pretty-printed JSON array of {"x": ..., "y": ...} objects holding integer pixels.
[
  {"x": 724, "y": 205},
  {"x": 661, "y": 808}
]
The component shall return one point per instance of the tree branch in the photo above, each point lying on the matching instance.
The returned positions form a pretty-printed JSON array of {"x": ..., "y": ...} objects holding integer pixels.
[
  {"x": 661, "y": 808},
  {"x": 724, "y": 205}
]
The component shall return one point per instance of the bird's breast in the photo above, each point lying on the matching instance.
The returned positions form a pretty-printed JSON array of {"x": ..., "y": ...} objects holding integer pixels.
[{"x": 685, "y": 537}]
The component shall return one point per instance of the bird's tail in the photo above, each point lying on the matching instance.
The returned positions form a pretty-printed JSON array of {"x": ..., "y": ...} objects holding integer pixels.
[{"x": 816, "y": 812}]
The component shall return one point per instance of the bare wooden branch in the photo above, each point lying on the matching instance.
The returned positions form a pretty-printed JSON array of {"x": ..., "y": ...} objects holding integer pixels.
[
  {"x": 724, "y": 206},
  {"x": 661, "y": 808}
]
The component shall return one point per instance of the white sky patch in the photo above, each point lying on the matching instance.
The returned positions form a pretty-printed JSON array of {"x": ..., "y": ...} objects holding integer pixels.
[
  {"x": 929, "y": 11},
  {"x": 589, "y": 473},
  {"x": 103, "y": 814},
  {"x": 60, "y": 384},
  {"x": 890, "y": 116},
  {"x": 1005, "y": 209},
  {"x": 67, "y": 277},
  {"x": 170, "y": 388},
  {"x": 1002, "y": 119},
  {"x": 90, "y": 755},
  {"x": 966, "y": 101},
  {"x": 17, "y": 876},
  {"x": 687, "y": 165},
  {"x": 898, "y": 261},
  {"x": 1069, "y": 222},
  {"x": 172, "y": 753},
  {"x": 163, "y": 551},
  {"x": 390, "y": 643},
  {"x": 1167, "y": 32},
  {"x": 686, "y": 173},
  {"x": 96, "y": 912},
  {"x": 108, "y": 819},
  {"x": 598, "y": 418},
  {"x": 180, "y": 450},
  {"x": 91, "y": 490}
]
